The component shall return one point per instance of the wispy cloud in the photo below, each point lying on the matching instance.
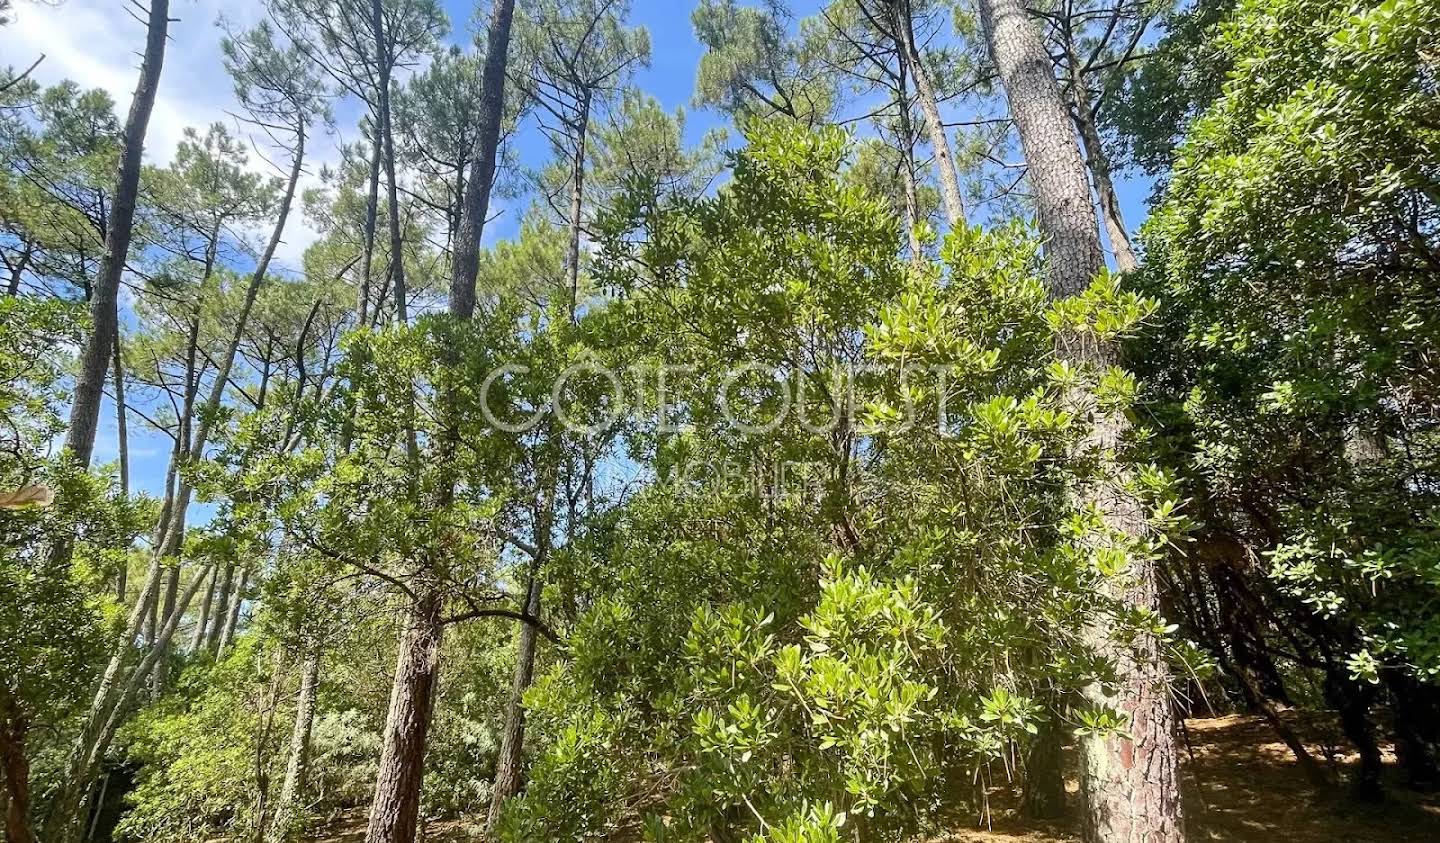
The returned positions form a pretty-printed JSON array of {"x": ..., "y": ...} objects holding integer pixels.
[{"x": 97, "y": 43}]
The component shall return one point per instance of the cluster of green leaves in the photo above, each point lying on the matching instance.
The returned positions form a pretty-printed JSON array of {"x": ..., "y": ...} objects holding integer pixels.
[
  {"x": 1295, "y": 256},
  {"x": 858, "y": 643}
]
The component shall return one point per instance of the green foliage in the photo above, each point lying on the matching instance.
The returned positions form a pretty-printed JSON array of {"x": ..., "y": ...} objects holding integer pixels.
[
  {"x": 1295, "y": 257},
  {"x": 826, "y": 694}
]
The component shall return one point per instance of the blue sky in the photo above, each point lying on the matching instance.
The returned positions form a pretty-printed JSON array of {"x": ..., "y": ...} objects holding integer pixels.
[{"x": 95, "y": 42}]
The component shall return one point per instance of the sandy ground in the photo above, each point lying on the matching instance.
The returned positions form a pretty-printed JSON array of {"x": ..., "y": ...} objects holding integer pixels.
[{"x": 1240, "y": 785}]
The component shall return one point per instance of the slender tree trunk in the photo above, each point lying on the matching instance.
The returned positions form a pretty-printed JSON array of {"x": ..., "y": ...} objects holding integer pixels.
[
  {"x": 395, "y": 810},
  {"x": 372, "y": 211},
  {"x": 907, "y": 167},
  {"x": 1099, "y": 165},
  {"x": 95, "y": 355},
  {"x": 259, "y": 759},
  {"x": 577, "y": 206},
  {"x": 930, "y": 107},
  {"x": 197, "y": 639},
  {"x": 1353, "y": 702},
  {"x": 382, "y": 97},
  {"x": 466, "y": 257},
  {"x": 232, "y": 619},
  {"x": 123, "y": 444},
  {"x": 1130, "y": 785},
  {"x": 287, "y": 806},
  {"x": 111, "y": 704},
  {"x": 222, "y": 610},
  {"x": 1417, "y": 730},
  {"x": 510, "y": 763},
  {"x": 17, "y": 272},
  {"x": 1044, "y": 796}
]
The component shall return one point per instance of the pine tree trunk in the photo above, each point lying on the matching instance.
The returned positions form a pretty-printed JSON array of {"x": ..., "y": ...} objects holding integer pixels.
[
  {"x": 287, "y": 807},
  {"x": 907, "y": 168},
  {"x": 577, "y": 206},
  {"x": 510, "y": 763},
  {"x": 372, "y": 213},
  {"x": 15, "y": 767},
  {"x": 385, "y": 62},
  {"x": 1099, "y": 165},
  {"x": 222, "y": 610},
  {"x": 395, "y": 810},
  {"x": 1130, "y": 785},
  {"x": 232, "y": 619},
  {"x": 122, "y": 432},
  {"x": 197, "y": 639},
  {"x": 925, "y": 93},
  {"x": 466, "y": 258},
  {"x": 112, "y": 702},
  {"x": 104, "y": 315}
]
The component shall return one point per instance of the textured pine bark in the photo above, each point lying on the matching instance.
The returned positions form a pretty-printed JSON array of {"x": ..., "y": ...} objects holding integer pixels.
[
  {"x": 15, "y": 769},
  {"x": 482, "y": 168},
  {"x": 1130, "y": 784},
  {"x": 395, "y": 810},
  {"x": 104, "y": 317}
]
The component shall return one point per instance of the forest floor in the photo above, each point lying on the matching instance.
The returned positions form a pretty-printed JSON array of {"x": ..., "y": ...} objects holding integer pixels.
[{"x": 1241, "y": 784}]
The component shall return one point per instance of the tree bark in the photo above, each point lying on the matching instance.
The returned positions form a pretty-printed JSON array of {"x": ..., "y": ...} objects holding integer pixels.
[
  {"x": 287, "y": 807},
  {"x": 907, "y": 168},
  {"x": 930, "y": 107},
  {"x": 222, "y": 610},
  {"x": 104, "y": 317},
  {"x": 395, "y": 810},
  {"x": 385, "y": 61},
  {"x": 232, "y": 619},
  {"x": 577, "y": 205},
  {"x": 64, "y": 822},
  {"x": 1130, "y": 785},
  {"x": 372, "y": 211},
  {"x": 197, "y": 639},
  {"x": 1099, "y": 165},
  {"x": 15, "y": 765},
  {"x": 465, "y": 261},
  {"x": 122, "y": 434},
  {"x": 510, "y": 763}
]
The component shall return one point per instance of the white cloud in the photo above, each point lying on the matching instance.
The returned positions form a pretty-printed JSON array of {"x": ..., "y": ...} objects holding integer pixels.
[{"x": 97, "y": 43}]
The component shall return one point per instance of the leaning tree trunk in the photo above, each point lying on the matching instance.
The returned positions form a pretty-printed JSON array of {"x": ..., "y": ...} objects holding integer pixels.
[
  {"x": 1130, "y": 784},
  {"x": 925, "y": 93},
  {"x": 112, "y": 702},
  {"x": 395, "y": 810},
  {"x": 510, "y": 763},
  {"x": 466, "y": 261},
  {"x": 104, "y": 316},
  {"x": 197, "y": 638},
  {"x": 1099, "y": 164},
  {"x": 232, "y": 618},
  {"x": 122, "y": 434},
  {"x": 287, "y": 807}
]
